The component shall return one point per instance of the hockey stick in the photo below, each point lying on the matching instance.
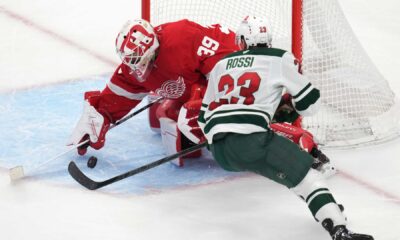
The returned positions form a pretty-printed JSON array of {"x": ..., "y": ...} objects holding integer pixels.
[
  {"x": 85, "y": 181},
  {"x": 18, "y": 172}
]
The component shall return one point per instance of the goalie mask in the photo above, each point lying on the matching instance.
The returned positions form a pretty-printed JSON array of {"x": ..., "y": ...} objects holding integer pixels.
[
  {"x": 253, "y": 31},
  {"x": 136, "y": 45}
]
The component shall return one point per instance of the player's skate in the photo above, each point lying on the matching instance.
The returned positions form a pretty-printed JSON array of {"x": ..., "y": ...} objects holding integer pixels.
[
  {"x": 340, "y": 232},
  {"x": 322, "y": 163}
]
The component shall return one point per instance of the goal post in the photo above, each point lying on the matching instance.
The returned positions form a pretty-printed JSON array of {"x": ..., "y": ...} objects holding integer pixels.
[
  {"x": 358, "y": 106},
  {"x": 146, "y": 10},
  {"x": 297, "y": 29}
]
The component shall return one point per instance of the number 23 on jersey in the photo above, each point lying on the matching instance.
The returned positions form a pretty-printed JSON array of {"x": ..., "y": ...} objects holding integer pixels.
[{"x": 248, "y": 82}]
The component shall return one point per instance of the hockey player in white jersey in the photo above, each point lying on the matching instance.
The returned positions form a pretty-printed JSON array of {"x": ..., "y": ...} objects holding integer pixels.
[{"x": 242, "y": 95}]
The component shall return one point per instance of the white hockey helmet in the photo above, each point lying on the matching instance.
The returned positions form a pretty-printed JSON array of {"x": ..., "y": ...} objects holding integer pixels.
[
  {"x": 136, "y": 45},
  {"x": 253, "y": 31}
]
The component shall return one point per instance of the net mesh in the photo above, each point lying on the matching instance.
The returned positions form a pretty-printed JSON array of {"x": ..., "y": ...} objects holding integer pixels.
[{"x": 358, "y": 106}]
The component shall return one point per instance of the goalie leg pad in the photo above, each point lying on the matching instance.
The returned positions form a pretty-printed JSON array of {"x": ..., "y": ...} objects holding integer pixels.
[
  {"x": 174, "y": 141},
  {"x": 168, "y": 108},
  {"x": 154, "y": 122},
  {"x": 169, "y": 137},
  {"x": 298, "y": 135}
]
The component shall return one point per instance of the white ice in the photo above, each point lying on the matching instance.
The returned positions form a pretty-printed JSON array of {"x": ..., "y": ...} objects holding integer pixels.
[{"x": 45, "y": 41}]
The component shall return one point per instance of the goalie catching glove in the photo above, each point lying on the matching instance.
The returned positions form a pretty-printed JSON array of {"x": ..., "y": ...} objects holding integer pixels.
[{"x": 93, "y": 125}]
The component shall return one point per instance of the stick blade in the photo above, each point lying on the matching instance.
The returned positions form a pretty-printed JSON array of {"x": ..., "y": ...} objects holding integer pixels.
[
  {"x": 81, "y": 178},
  {"x": 16, "y": 173}
]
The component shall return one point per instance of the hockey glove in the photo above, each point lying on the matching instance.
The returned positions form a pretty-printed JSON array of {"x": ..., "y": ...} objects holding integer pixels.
[
  {"x": 92, "y": 126},
  {"x": 286, "y": 111}
]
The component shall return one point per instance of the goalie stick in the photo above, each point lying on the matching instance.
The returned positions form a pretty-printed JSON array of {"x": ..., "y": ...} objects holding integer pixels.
[
  {"x": 19, "y": 172},
  {"x": 90, "y": 184}
]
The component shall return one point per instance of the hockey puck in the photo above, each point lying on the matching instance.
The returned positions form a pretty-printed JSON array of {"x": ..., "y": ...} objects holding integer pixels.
[{"x": 92, "y": 161}]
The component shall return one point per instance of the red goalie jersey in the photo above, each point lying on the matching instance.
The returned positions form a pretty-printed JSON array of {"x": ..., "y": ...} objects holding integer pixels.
[{"x": 186, "y": 54}]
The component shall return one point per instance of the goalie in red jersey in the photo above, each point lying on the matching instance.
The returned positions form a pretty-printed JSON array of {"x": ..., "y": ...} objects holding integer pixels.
[{"x": 166, "y": 60}]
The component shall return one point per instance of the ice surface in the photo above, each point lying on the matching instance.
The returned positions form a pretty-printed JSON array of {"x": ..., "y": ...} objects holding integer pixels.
[{"x": 38, "y": 124}]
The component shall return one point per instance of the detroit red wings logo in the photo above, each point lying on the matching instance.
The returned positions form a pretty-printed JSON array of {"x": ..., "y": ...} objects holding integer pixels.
[{"x": 172, "y": 88}]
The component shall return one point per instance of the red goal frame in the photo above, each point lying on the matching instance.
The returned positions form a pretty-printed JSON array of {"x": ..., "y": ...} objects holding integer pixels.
[{"x": 297, "y": 18}]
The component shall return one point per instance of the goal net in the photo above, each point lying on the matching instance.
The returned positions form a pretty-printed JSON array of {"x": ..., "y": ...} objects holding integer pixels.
[{"x": 358, "y": 106}]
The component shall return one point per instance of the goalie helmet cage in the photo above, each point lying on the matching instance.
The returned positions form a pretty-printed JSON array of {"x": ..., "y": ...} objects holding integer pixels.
[{"x": 357, "y": 105}]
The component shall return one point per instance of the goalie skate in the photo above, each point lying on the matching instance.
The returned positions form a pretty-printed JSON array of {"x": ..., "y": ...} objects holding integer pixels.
[{"x": 322, "y": 163}]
